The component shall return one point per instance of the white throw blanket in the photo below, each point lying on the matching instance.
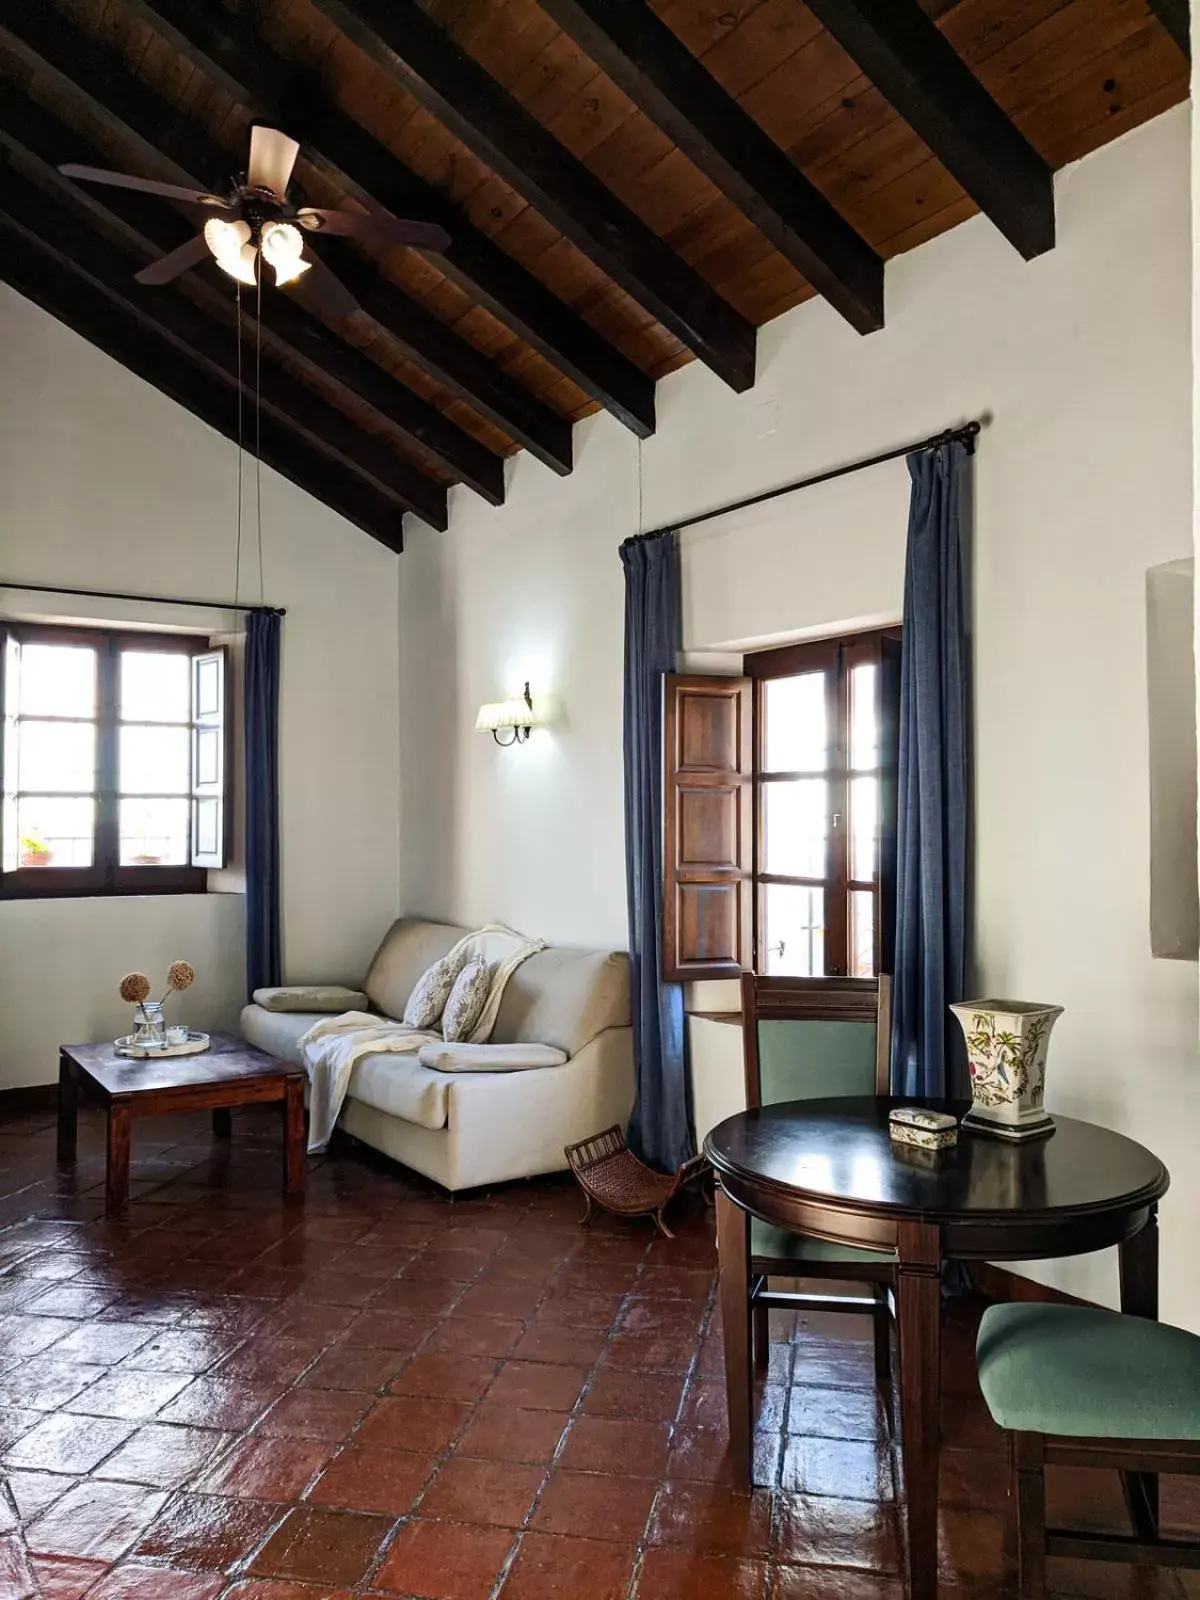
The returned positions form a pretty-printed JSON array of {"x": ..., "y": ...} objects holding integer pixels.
[{"x": 334, "y": 1045}]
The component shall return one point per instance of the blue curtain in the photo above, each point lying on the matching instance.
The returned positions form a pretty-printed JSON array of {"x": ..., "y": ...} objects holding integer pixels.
[
  {"x": 264, "y": 963},
  {"x": 932, "y": 783},
  {"x": 660, "y": 1130}
]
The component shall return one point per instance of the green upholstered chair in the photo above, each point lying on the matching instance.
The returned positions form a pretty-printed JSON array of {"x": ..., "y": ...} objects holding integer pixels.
[
  {"x": 812, "y": 1039},
  {"x": 1079, "y": 1386}
]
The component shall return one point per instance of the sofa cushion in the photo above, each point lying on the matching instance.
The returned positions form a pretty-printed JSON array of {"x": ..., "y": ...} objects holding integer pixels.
[
  {"x": 489, "y": 1057},
  {"x": 401, "y": 1087},
  {"x": 278, "y": 1032},
  {"x": 409, "y": 946},
  {"x": 564, "y": 997},
  {"x": 330, "y": 999}
]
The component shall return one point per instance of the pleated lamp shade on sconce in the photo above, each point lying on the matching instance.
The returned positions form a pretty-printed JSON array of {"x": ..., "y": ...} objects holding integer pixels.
[{"x": 515, "y": 715}]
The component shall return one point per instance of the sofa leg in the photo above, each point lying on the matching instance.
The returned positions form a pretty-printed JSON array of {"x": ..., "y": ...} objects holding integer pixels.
[
  {"x": 660, "y": 1223},
  {"x": 587, "y": 1210}
]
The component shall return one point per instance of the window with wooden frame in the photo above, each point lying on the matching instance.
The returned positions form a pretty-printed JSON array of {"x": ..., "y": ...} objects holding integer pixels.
[
  {"x": 114, "y": 760},
  {"x": 780, "y": 803},
  {"x": 824, "y": 803}
]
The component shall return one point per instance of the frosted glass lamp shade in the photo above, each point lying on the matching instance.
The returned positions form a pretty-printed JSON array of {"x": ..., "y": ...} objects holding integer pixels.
[
  {"x": 282, "y": 246},
  {"x": 230, "y": 245}
]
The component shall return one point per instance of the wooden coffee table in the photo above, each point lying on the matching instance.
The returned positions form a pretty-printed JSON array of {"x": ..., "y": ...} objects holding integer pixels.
[{"x": 231, "y": 1073}]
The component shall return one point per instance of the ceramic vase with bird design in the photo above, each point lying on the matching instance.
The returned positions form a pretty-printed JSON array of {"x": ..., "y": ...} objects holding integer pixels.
[{"x": 1006, "y": 1055}]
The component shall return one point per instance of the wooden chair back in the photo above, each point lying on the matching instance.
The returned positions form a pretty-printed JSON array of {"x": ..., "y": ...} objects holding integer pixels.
[{"x": 813, "y": 1038}]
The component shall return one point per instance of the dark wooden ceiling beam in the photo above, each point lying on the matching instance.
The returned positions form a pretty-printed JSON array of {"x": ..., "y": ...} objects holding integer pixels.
[
  {"x": 665, "y": 80},
  {"x": 459, "y": 366},
  {"x": 1176, "y": 18},
  {"x": 43, "y": 278},
  {"x": 227, "y": 49},
  {"x": 314, "y": 423},
  {"x": 431, "y": 66},
  {"x": 917, "y": 70},
  {"x": 41, "y": 143},
  {"x": 99, "y": 76}
]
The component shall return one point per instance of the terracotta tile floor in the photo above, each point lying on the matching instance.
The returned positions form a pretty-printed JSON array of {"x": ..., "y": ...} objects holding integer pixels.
[{"x": 379, "y": 1392}]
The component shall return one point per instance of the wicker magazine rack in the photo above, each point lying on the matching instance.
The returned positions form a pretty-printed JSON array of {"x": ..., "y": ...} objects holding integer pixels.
[{"x": 612, "y": 1177}]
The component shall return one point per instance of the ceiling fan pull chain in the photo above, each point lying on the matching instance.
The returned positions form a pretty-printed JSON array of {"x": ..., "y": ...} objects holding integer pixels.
[
  {"x": 258, "y": 430},
  {"x": 237, "y": 571}
]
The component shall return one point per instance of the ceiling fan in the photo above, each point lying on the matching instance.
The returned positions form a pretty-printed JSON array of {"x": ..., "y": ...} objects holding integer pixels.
[{"x": 257, "y": 218}]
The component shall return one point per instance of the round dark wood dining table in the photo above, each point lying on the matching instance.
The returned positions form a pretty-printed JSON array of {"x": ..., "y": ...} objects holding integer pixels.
[{"x": 828, "y": 1169}]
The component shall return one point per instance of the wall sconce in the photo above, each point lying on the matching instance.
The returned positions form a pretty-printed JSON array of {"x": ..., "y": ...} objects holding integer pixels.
[{"x": 516, "y": 714}]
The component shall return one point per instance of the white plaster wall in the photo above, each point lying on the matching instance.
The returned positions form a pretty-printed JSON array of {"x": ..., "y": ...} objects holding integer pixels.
[
  {"x": 1083, "y": 482},
  {"x": 107, "y": 484}
]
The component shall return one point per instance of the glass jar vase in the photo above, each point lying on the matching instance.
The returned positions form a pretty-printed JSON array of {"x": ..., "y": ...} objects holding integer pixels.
[{"x": 150, "y": 1026}]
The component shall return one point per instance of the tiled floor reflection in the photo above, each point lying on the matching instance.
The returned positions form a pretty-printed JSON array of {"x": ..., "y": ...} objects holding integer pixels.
[{"x": 379, "y": 1392}]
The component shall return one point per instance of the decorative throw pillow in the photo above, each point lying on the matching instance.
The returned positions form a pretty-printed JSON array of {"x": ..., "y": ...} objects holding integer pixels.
[
  {"x": 467, "y": 1000},
  {"x": 428, "y": 999}
]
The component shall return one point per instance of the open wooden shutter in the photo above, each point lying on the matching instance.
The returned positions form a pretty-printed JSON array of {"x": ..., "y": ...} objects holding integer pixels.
[
  {"x": 888, "y": 713},
  {"x": 708, "y": 827},
  {"x": 10, "y": 662},
  {"x": 209, "y": 758}
]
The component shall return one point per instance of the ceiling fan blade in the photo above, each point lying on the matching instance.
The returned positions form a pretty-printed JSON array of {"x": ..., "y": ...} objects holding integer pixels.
[
  {"x": 325, "y": 292},
  {"x": 272, "y": 157},
  {"x": 176, "y": 262},
  {"x": 375, "y": 225},
  {"x": 125, "y": 180}
]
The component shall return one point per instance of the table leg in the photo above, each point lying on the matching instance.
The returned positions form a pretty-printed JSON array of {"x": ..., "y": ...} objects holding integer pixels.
[
  {"x": 68, "y": 1108},
  {"x": 295, "y": 1146},
  {"x": 733, "y": 1249},
  {"x": 120, "y": 1121},
  {"x": 1138, "y": 1265},
  {"x": 222, "y": 1123},
  {"x": 918, "y": 1312}
]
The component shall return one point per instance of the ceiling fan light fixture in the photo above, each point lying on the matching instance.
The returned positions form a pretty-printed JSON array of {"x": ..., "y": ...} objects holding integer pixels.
[
  {"x": 283, "y": 246},
  {"x": 230, "y": 245}
]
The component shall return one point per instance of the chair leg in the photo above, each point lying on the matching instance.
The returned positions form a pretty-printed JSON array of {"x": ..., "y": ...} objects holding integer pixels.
[
  {"x": 883, "y": 1351},
  {"x": 1029, "y": 1504},
  {"x": 760, "y": 1330}
]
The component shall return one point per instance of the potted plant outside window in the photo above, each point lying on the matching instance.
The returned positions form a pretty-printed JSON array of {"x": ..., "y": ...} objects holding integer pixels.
[{"x": 35, "y": 852}]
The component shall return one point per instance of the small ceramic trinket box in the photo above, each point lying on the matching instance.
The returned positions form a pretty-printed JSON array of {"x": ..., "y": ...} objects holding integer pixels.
[{"x": 927, "y": 1130}]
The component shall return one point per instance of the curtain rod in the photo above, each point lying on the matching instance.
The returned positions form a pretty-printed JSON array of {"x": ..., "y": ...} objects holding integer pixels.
[
  {"x": 150, "y": 599},
  {"x": 966, "y": 434}
]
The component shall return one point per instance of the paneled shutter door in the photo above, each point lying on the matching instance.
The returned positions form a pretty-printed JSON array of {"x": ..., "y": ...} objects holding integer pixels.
[
  {"x": 209, "y": 758},
  {"x": 10, "y": 663},
  {"x": 708, "y": 827}
]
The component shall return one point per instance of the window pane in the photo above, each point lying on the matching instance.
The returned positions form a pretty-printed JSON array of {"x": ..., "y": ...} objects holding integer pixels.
[
  {"x": 794, "y": 827},
  {"x": 57, "y": 680},
  {"x": 796, "y": 733},
  {"x": 56, "y": 756},
  {"x": 154, "y": 833},
  {"x": 864, "y": 828},
  {"x": 155, "y": 761},
  {"x": 794, "y": 931},
  {"x": 864, "y": 726},
  {"x": 156, "y": 686},
  {"x": 862, "y": 933},
  {"x": 53, "y": 832}
]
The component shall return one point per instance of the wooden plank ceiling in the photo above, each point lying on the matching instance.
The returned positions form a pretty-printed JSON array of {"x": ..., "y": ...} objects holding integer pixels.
[{"x": 627, "y": 185}]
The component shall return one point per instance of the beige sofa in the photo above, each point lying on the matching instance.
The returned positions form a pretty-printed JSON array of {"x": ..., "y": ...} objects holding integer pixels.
[{"x": 473, "y": 1128}]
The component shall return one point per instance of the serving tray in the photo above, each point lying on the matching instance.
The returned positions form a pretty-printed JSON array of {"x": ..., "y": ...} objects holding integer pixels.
[{"x": 192, "y": 1046}]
